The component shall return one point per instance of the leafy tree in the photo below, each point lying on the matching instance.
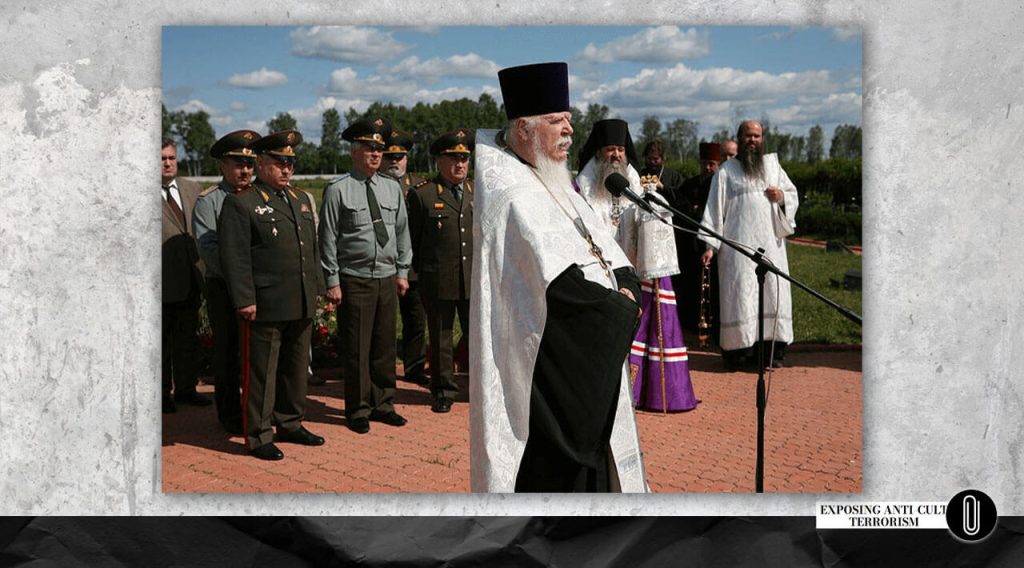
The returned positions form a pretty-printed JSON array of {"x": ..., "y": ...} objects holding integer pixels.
[
  {"x": 197, "y": 137},
  {"x": 721, "y": 136},
  {"x": 681, "y": 135},
  {"x": 846, "y": 142},
  {"x": 307, "y": 158},
  {"x": 815, "y": 145},
  {"x": 170, "y": 123},
  {"x": 650, "y": 130},
  {"x": 283, "y": 121},
  {"x": 330, "y": 141},
  {"x": 582, "y": 123}
]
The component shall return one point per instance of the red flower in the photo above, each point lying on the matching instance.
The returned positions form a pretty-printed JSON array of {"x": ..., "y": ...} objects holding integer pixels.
[
  {"x": 322, "y": 330},
  {"x": 329, "y": 307}
]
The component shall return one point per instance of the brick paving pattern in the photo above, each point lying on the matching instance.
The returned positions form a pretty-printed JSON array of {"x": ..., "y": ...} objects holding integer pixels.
[{"x": 812, "y": 440}]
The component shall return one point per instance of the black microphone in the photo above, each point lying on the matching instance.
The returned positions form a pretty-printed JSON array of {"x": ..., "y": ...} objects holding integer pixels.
[{"x": 618, "y": 185}]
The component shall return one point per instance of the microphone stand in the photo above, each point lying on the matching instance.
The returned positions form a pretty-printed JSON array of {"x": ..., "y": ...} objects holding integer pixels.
[{"x": 763, "y": 267}]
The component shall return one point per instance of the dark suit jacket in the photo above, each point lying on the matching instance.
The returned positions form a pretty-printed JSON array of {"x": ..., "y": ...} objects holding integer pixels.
[
  {"x": 442, "y": 239},
  {"x": 268, "y": 252},
  {"x": 182, "y": 268}
]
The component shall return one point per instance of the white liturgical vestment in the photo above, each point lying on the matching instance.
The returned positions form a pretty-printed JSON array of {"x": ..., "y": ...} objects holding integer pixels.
[
  {"x": 522, "y": 241},
  {"x": 739, "y": 210}
]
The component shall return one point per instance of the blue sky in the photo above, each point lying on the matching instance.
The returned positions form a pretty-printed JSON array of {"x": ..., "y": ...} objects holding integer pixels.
[{"x": 715, "y": 75}]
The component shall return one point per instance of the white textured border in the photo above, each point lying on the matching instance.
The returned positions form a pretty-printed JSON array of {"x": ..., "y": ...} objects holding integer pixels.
[{"x": 79, "y": 262}]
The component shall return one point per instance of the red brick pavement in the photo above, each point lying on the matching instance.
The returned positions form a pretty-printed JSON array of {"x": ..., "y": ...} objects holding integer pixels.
[{"x": 812, "y": 440}]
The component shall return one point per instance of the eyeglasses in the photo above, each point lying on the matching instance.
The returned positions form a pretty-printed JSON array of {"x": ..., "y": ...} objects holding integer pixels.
[{"x": 395, "y": 157}]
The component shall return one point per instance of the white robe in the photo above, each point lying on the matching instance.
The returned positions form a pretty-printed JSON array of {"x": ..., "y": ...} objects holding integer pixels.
[
  {"x": 647, "y": 242},
  {"x": 522, "y": 241},
  {"x": 739, "y": 210}
]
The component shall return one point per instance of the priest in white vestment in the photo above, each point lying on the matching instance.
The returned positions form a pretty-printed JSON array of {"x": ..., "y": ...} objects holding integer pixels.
[
  {"x": 553, "y": 309},
  {"x": 752, "y": 201}
]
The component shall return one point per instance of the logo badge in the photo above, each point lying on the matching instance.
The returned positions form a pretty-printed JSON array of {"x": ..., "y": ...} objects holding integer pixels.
[{"x": 971, "y": 515}]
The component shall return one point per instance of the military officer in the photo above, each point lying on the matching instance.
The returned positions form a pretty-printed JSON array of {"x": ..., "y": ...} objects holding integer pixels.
[
  {"x": 365, "y": 252},
  {"x": 441, "y": 224},
  {"x": 270, "y": 261},
  {"x": 236, "y": 161},
  {"x": 182, "y": 284},
  {"x": 395, "y": 163}
]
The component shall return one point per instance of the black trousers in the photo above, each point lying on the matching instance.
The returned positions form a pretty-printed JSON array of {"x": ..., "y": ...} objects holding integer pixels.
[
  {"x": 367, "y": 327},
  {"x": 179, "y": 344},
  {"x": 227, "y": 366},
  {"x": 441, "y": 320},
  {"x": 414, "y": 331},
  {"x": 276, "y": 391}
]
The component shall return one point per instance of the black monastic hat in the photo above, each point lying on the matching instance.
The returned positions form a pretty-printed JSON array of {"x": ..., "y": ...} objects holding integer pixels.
[
  {"x": 369, "y": 131},
  {"x": 531, "y": 90},
  {"x": 609, "y": 132},
  {"x": 235, "y": 144},
  {"x": 281, "y": 143},
  {"x": 458, "y": 141}
]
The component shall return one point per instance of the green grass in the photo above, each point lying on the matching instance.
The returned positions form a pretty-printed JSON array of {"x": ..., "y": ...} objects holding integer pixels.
[
  {"x": 314, "y": 186},
  {"x": 814, "y": 321}
]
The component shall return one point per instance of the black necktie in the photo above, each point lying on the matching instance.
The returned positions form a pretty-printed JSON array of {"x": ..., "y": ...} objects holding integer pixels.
[
  {"x": 378, "y": 224},
  {"x": 457, "y": 193}
]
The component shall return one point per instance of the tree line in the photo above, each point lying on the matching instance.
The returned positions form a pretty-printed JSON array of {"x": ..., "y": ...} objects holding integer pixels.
[{"x": 428, "y": 121}]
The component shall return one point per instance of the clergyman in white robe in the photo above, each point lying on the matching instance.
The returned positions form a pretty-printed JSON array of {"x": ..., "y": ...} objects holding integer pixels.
[
  {"x": 522, "y": 242},
  {"x": 739, "y": 210}
]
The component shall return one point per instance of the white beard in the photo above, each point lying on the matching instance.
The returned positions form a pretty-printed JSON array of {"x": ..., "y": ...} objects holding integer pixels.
[{"x": 552, "y": 173}]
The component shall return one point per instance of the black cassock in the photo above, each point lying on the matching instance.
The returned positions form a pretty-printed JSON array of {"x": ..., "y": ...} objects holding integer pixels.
[{"x": 576, "y": 382}]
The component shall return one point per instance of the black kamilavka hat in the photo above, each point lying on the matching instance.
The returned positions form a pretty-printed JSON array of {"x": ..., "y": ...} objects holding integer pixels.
[{"x": 531, "y": 90}]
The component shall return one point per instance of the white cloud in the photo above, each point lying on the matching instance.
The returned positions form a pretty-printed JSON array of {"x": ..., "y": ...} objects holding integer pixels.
[
  {"x": 719, "y": 84},
  {"x": 717, "y": 97},
  {"x": 346, "y": 43},
  {"x": 262, "y": 78},
  {"x": 469, "y": 66},
  {"x": 194, "y": 105},
  {"x": 237, "y": 106},
  {"x": 652, "y": 45},
  {"x": 846, "y": 33},
  {"x": 345, "y": 83}
]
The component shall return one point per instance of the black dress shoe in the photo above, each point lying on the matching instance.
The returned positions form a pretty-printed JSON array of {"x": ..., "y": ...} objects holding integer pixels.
[
  {"x": 267, "y": 452},
  {"x": 316, "y": 380},
  {"x": 390, "y": 418},
  {"x": 359, "y": 425},
  {"x": 169, "y": 406},
  {"x": 441, "y": 405},
  {"x": 300, "y": 436},
  {"x": 193, "y": 398}
]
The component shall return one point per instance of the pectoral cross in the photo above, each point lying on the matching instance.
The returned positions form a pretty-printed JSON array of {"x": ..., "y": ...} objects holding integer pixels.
[{"x": 595, "y": 250}]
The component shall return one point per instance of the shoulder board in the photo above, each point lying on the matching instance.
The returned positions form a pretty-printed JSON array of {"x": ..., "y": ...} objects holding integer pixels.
[
  {"x": 421, "y": 184},
  {"x": 339, "y": 178},
  {"x": 209, "y": 190}
]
